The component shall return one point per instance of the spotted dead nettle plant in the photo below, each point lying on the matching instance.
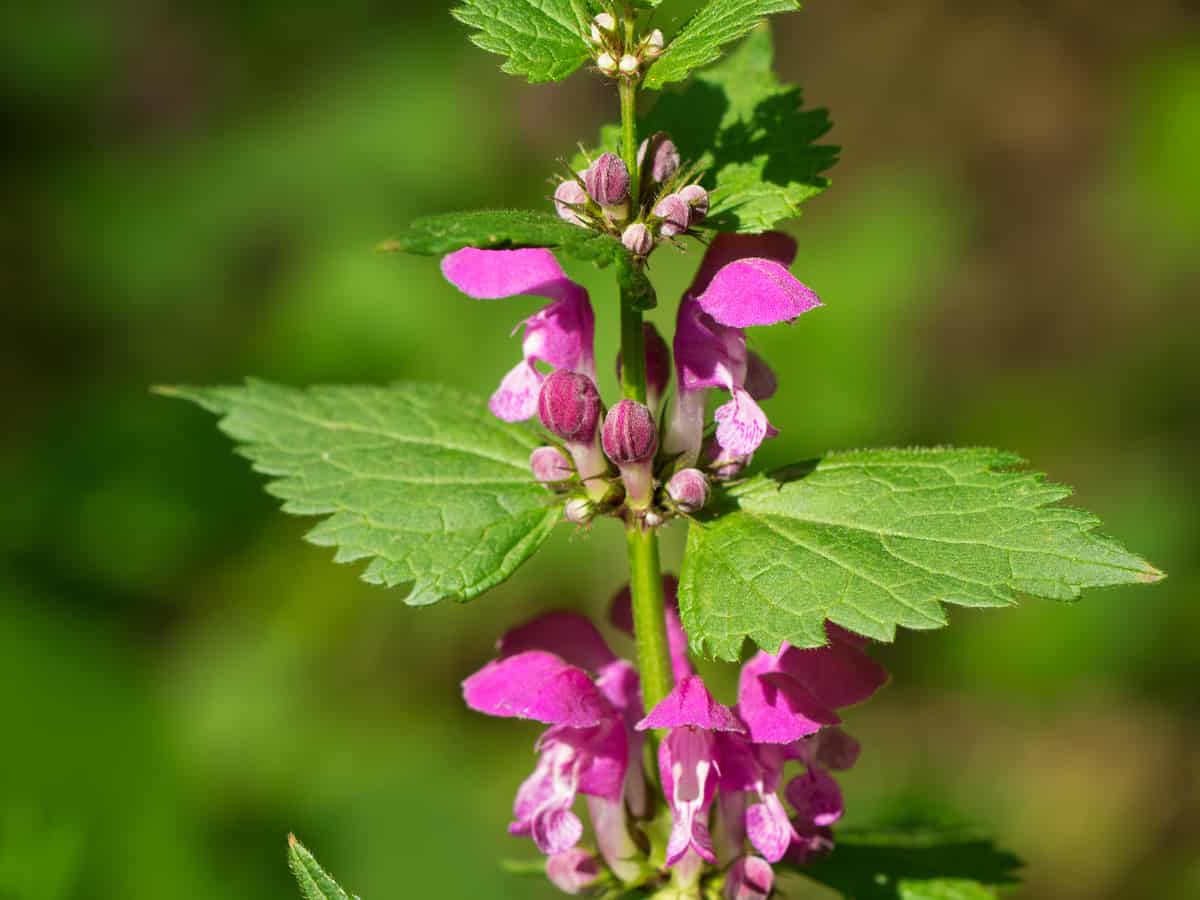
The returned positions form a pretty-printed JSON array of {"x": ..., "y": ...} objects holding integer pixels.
[{"x": 644, "y": 784}]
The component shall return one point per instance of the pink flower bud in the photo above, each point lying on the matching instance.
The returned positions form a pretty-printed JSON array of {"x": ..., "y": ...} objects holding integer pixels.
[
  {"x": 629, "y": 64},
  {"x": 637, "y": 239},
  {"x": 607, "y": 180},
  {"x": 606, "y": 64},
  {"x": 551, "y": 466},
  {"x": 569, "y": 199},
  {"x": 688, "y": 488},
  {"x": 629, "y": 434},
  {"x": 675, "y": 213},
  {"x": 697, "y": 200},
  {"x": 652, "y": 46},
  {"x": 573, "y": 871},
  {"x": 663, "y": 157},
  {"x": 750, "y": 878},
  {"x": 569, "y": 406}
]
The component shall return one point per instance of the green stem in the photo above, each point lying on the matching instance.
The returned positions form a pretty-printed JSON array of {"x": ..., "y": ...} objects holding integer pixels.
[
  {"x": 645, "y": 570},
  {"x": 649, "y": 615}
]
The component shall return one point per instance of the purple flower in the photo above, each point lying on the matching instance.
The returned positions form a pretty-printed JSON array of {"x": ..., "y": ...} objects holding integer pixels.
[
  {"x": 687, "y": 762},
  {"x": 573, "y": 871},
  {"x": 750, "y": 878},
  {"x": 559, "y": 335},
  {"x": 742, "y": 281},
  {"x": 607, "y": 180}
]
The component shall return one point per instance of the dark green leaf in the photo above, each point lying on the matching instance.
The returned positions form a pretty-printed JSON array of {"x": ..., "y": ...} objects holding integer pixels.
[
  {"x": 420, "y": 479},
  {"x": 875, "y": 539},
  {"x": 700, "y": 40},
  {"x": 542, "y": 39},
  {"x": 508, "y": 229},
  {"x": 914, "y": 865},
  {"x": 315, "y": 883}
]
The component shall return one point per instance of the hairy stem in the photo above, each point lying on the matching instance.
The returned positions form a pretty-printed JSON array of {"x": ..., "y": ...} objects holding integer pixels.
[{"x": 645, "y": 570}]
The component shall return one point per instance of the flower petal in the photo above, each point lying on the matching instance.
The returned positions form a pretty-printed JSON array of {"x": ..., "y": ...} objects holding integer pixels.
[
  {"x": 838, "y": 674},
  {"x": 686, "y": 766},
  {"x": 707, "y": 354},
  {"x": 539, "y": 686},
  {"x": 727, "y": 248},
  {"x": 775, "y": 707},
  {"x": 556, "y": 830},
  {"x": 690, "y": 704},
  {"x": 497, "y": 274},
  {"x": 516, "y": 398},
  {"x": 816, "y": 796},
  {"x": 836, "y": 749},
  {"x": 562, "y": 334},
  {"x": 756, "y": 292},
  {"x": 750, "y": 878},
  {"x": 769, "y": 829},
  {"x": 760, "y": 381},
  {"x": 742, "y": 425},
  {"x": 569, "y": 635}
]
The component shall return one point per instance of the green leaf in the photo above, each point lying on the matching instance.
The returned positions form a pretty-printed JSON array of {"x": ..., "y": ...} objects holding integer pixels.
[
  {"x": 511, "y": 228},
  {"x": 750, "y": 131},
  {"x": 914, "y": 865},
  {"x": 543, "y": 39},
  {"x": 700, "y": 40},
  {"x": 315, "y": 883},
  {"x": 875, "y": 539},
  {"x": 420, "y": 479}
]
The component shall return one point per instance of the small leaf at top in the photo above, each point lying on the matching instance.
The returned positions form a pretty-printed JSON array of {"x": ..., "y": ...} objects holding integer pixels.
[
  {"x": 420, "y": 479},
  {"x": 542, "y": 39},
  {"x": 509, "y": 229},
  {"x": 701, "y": 39},
  {"x": 872, "y": 540},
  {"x": 919, "y": 864},
  {"x": 315, "y": 883}
]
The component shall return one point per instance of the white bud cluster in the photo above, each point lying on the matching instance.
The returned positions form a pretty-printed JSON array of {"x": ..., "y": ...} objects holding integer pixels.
[{"x": 613, "y": 57}]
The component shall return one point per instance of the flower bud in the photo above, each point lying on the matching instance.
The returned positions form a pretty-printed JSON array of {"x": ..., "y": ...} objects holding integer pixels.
[
  {"x": 663, "y": 157},
  {"x": 572, "y": 871},
  {"x": 629, "y": 434},
  {"x": 637, "y": 239},
  {"x": 607, "y": 180},
  {"x": 551, "y": 466},
  {"x": 652, "y": 46},
  {"x": 629, "y": 64},
  {"x": 750, "y": 878},
  {"x": 606, "y": 64},
  {"x": 569, "y": 406},
  {"x": 675, "y": 213},
  {"x": 605, "y": 22},
  {"x": 697, "y": 200},
  {"x": 688, "y": 489},
  {"x": 569, "y": 199},
  {"x": 579, "y": 511}
]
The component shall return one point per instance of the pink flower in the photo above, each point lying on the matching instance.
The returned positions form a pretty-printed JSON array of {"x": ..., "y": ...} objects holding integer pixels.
[
  {"x": 559, "y": 335},
  {"x": 743, "y": 281}
]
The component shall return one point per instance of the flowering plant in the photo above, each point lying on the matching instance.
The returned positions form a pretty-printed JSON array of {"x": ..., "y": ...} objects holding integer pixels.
[{"x": 686, "y": 796}]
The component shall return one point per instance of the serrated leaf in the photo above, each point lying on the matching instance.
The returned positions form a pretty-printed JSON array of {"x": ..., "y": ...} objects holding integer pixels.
[
  {"x": 872, "y": 540},
  {"x": 511, "y": 228},
  {"x": 542, "y": 39},
  {"x": 701, "y": 39},
  {"x": 420, "y": 479},
  {"x": 920, "y": 864},
  {"x": 315, "y": 883}
]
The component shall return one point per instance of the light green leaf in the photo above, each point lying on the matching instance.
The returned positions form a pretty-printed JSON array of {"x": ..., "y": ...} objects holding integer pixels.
[
  {"x": 875, "y": 539},
  {"x": 919, "y": 864},
  {"x": 700, "y": 40},
  {"x": 750, "y": 131},
  {"x": 420, "y": 479},
  {"x": 315, "y": 883},
  {"x": 543, "y": 39},
  {"x": 511, "y": 228}
]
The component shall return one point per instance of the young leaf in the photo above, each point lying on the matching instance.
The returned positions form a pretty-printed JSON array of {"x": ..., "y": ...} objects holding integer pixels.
[
  {"x": 315, "y": 883},
  {"x": 750, "y": 131},
  {"x": 875, "y": 539},
  {"x": 510, "y": 228},
  {"x": 543, "y": 39},
  {"x": 418, "y": 478},
  {"x": 700, "y": 40},
  {"x": 914, "y": 865}
]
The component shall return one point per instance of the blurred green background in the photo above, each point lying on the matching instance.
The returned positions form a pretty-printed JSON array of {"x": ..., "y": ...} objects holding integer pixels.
[{"x": 192, "y": 194}]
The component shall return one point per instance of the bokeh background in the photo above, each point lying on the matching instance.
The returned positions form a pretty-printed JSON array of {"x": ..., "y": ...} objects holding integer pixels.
[{"x": 192, "y": 193}]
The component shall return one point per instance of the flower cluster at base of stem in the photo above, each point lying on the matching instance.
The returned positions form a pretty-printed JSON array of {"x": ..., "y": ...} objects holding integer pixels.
[{"x": 719, "y": 770}]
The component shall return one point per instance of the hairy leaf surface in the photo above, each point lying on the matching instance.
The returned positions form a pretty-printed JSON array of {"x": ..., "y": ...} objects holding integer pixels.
[
  {"x": 541, "y": 39},
  {"x": 872, "y": 540},
  {"x": 420, "y": 479},
  {"x": 315, "y": 883}
]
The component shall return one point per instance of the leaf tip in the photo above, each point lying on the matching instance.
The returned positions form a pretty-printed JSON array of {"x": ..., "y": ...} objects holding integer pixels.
[
  {"x": 1151, "y": 575},
  {"x": 293, "y": 843}
]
